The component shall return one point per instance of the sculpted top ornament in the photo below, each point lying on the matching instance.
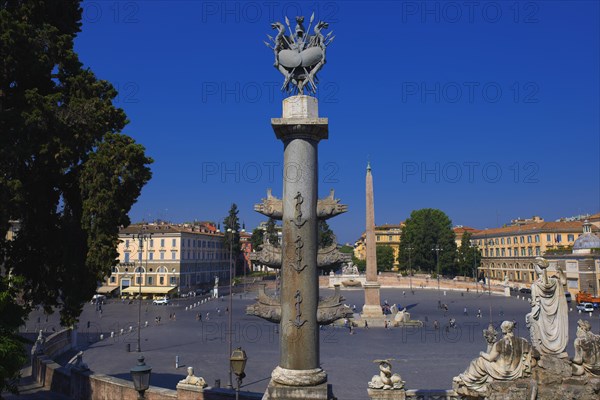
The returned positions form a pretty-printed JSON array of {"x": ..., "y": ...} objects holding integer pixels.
[{"x": 299, "y": 55}]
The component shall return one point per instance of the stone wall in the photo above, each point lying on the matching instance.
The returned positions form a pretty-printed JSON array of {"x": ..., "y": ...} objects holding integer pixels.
[{"x": 78, "y": 384}]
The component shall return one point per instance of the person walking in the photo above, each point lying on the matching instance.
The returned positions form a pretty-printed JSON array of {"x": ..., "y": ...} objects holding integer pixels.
[
  {"x": 465, "y": 312},
  {"x": 366, "y": 324}
]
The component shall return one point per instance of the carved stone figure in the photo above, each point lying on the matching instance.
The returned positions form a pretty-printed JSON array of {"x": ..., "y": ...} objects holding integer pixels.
[
  {"x": 271, "y": 206},
  {"x": 300, "y": 55},
  {"x": 327, "y": 257},
  {"x": 548, "y": 319},
  {"x": 587, "y": 350},
  {"x": 330, "y": 207},
  {"x": 192, "y": 379},
  {"x": 386, "y": 380},
  {"x": 508, "y": 359},
  {"x": 38, "y": 346},
  {"x": 77, "y": 362}
]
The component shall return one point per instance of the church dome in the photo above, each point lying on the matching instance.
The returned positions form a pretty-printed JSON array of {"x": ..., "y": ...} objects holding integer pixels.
[{"x": 588, "y": 240}]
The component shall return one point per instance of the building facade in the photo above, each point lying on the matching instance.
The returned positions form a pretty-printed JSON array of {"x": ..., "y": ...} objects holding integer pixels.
[
  {"x": 509, "y": 252},
  {"x": 172, "y": 258},
  {"x": 385, "y": 235}
]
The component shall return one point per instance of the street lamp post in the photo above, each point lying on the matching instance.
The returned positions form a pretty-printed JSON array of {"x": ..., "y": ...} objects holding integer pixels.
[
  {"x": 409, "y": 248},
  {"x": 489, "y": 280},
  {"x": 231, "y": 233},
  {"x": 437, "y": 250},
  {"x": 141, "y": 237},
  {"x": 475, "y": 275}
]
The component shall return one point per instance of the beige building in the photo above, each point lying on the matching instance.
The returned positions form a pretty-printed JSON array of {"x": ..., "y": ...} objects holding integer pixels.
[
  {"x": 581, "y": 264},
  {"x": 510, "y": 251},
  {"x": 385, "y": 235},
  {"x": 173, "y": 258}
]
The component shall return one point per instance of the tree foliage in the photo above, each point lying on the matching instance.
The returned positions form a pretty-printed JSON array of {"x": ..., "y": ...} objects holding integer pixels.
[
  {"x": 326, "y": 235},
  {"x": 271, "y": 233},
  {"x": 423, "y": 231},
  {"x": 231, "y": 229},
  {"x": 467, "y": 257},
  {"x": 385, "y": 258},
  {"x": 68, "y": 174}
]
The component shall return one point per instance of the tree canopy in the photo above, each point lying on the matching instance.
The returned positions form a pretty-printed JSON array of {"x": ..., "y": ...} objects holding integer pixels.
[
  {"x": 231, "y": 229},
  {"x": 68, "y": 174},
  {"x": 423, "y": 231},
  {"x": 467, "y": 257},
  {"x": 385, "y": 258}
]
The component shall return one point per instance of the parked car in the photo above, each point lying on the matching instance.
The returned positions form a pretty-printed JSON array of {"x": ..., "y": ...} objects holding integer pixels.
[
  {"x": 160, "y": 302},
  {"x": 525, "y": 290},
  {"x": 585, "y": 307},
  {"x": 98, "y": 299},
  {"x": 568, "y": 296}
]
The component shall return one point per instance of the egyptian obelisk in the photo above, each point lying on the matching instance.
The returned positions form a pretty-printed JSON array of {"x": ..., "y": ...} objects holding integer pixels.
[{"x": 372, "y": 307}]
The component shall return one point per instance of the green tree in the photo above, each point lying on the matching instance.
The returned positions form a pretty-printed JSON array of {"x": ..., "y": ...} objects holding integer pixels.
[
  {"x": 257, "y": 238},
  {"x": 231, "y": 229},
  {"x": 385, "y": 258},
  {"x": 326, "y": 235},
  {"x": 467, "y": 257},
  {"x": 271, "y": 231},
  {"x": 424, "y": 230},
  {"x": 67, "y": 174}
]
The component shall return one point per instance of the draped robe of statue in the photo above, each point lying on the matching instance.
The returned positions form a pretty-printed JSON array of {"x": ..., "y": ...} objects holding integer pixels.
[
  {"x": 548, "y": 320},
  {"x": 508, "y": 359}
]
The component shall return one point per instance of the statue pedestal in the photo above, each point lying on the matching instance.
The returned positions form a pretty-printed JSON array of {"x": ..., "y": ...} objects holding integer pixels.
[
  {"x": 372, "y": 307},
  {"x": 277, "y": 391},
  {"x": 380, "y": 394}
]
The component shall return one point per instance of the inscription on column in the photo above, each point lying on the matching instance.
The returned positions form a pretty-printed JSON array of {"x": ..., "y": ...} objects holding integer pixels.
[{"x": 298, "y": 322}]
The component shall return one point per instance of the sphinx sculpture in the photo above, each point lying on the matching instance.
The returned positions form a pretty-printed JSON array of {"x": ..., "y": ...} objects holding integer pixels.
[
  {"x": 508, "y": 359},
  {"x": 587, "y": 350},
  {"x": 192, "y": 379},
  {"x": 548, "y": 319}
]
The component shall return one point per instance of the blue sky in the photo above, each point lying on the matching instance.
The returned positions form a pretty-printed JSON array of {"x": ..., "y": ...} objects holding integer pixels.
[{"x": 487, "y": 110}]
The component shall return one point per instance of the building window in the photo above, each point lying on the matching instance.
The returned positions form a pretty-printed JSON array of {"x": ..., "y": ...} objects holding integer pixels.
[
  {"x": 138, "y": 280},
  {"x": 497, "y": 252},
  {"x": 486, "y": 252},
  {"x": 502, "y": 241},
  {"x": 570, "y": 238},
  {"x": 150, "y": 280},
  {"x": 151, "y": 243},
  {"x": 161, "y": 280},
  {"x": 173, "y": 255},
  {"x": 174, "y": 243},
  {"x": 150, "y": 256},
  {"x": 548, "y": 238},
  {"x": 113, "y": 279},
  {"x": 162, "y": 255},
  {"x": 558, "y": 238},
  {"x": 503, "y": 252},
  {"x": 523, "y": 251},
  {"x": 522, "y": 239},
  {"x": 509, "y": 252},
  {"x": 389, "y": 238},
  {"x": 173, "y": 280},
  {"x": 537, "y": 251},
  {"x": 537, "y": 238},
  {"x": 378, "y": 238},
  {"x": 529, "y": 251},
  {"x": 529, "y": 239},
  {"x": 508, "y": 240},
  {"x": 139, "y": 256},
  {"x": 189, "y": 243},
  {"x": 114, "y": 270},
  {"x": 127, "y": 243},
  {"x": 162, "y": 242}
]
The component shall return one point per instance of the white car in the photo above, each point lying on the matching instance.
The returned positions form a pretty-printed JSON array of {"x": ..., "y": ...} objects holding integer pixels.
[
  {"x": 98, "y": 298},
  {"x": 159, "y": 302},
  {"x": 585, "y": 307}
]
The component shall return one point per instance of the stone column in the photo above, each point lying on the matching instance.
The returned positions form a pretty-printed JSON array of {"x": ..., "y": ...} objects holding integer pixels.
[
  {"x": 372, "y": 307},
  {"x": 300, "y": 130}
]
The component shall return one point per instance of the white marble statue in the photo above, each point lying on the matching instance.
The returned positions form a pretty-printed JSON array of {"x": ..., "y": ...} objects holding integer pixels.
[
  {"x": 508, "y": 359},
  {"x": 386, "y": 380},
  {"x": 192, "y": 379},
  {"x": 548, "y": 321},
  {"x": 587, "y": 350}
]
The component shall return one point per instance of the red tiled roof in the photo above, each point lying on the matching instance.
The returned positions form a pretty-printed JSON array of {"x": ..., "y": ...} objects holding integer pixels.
[{"x": 567, "y": 226}]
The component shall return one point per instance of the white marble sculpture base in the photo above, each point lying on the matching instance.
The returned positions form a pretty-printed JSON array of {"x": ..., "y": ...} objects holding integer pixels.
[{"x": 277, "y": 391}]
